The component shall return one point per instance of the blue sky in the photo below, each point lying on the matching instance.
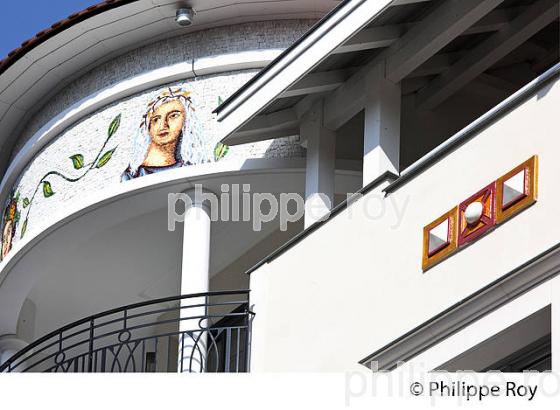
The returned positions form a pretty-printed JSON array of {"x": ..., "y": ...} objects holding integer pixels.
[{"x": 22, "y": 19}]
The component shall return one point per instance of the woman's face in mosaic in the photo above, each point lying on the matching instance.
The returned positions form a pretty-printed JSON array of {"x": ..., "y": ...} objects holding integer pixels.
[{"x": 166, "y": 123}]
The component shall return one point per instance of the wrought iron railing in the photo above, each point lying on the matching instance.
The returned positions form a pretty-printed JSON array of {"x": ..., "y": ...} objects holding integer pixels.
[{"x": 204, "y": 332}]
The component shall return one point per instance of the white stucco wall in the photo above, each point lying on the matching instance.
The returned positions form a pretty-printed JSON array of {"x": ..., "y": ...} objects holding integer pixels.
[{"x": 356, "y": 284}]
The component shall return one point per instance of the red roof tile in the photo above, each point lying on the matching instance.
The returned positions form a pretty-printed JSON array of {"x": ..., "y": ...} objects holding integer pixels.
[{"x": 58, "y": 27}]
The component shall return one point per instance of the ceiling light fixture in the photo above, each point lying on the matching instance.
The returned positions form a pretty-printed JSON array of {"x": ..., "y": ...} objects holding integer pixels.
[{"x": 184, "y": 16}]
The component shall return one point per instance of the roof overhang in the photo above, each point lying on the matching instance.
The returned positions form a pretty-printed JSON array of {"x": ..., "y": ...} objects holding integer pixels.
[
  {"x": 427, "y": 46},
  {"x": 297, "y": 61},
  {"x": 42, "y": 66}
]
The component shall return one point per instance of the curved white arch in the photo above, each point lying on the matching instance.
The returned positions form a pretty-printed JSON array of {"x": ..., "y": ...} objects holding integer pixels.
[
  {"x": 16, "y": 283},
  {"x": 17, "y": 279}
]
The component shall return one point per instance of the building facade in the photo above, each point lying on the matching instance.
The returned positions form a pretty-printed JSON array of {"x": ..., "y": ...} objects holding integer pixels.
[{"x": 415, "y": 139}]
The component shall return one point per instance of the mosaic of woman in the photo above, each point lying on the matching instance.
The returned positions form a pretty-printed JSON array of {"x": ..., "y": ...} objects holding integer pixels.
[
  {"x": 11, "y": 216},
  {"x": 167, "y": 137}
]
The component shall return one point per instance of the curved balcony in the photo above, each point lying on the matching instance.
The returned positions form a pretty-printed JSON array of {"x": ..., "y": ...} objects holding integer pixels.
[{"x": 203, "y": 332}]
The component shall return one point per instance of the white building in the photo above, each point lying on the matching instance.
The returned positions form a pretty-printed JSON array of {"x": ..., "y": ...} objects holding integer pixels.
[{"x": 421, "y": 135}]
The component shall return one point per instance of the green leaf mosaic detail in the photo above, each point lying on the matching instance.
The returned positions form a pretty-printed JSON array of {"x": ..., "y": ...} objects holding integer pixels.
[
  {"x": 105, "y": 158},
  {"x": 24, "y": 228},
  {"x": 78, "y": 162},
  {"x": 47, "y": 189},
  {"x": 114, "y": 126},
  {"x": 220, "y": 151}
]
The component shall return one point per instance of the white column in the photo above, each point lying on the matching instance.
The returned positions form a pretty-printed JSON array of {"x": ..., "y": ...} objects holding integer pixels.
[
  {"x": 320, "y": 168},
  {"x": 9, "y": 346},
  {"x": 196, "y": 249},
  {"x": 382, "y": 125},
  {"x": 194, "y": 279},
  {"x": 555, "y": 324}
]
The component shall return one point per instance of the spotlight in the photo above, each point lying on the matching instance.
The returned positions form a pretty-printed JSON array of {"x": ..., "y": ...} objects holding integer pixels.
[{"x": 184, "y": 17}]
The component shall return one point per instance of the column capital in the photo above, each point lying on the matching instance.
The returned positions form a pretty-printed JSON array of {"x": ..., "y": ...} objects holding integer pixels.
[
  {"x": 315, "y": 117},
  {"x": 10, "y": 344},
  {"x": 199, "y": 188},
  {"x": 8, "y": 339},
  {"x": 201, "y": 197}
]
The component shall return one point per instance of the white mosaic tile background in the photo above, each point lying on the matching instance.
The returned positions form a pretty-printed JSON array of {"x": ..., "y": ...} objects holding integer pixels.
[{"x": 87, "y": 136}]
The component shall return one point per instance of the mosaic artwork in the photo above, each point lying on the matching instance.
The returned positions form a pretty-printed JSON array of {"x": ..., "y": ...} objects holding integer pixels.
[
  {"x": 440, "y": 238},
  {"x": 46, "y": 187},
  {"x": 10, "y": 222},
  {"x": 482, "y": 208},
  {"x": 167, "y": 137},
  {"x": 480, "y": 213},
  {"x": 516, "y": 190}
]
